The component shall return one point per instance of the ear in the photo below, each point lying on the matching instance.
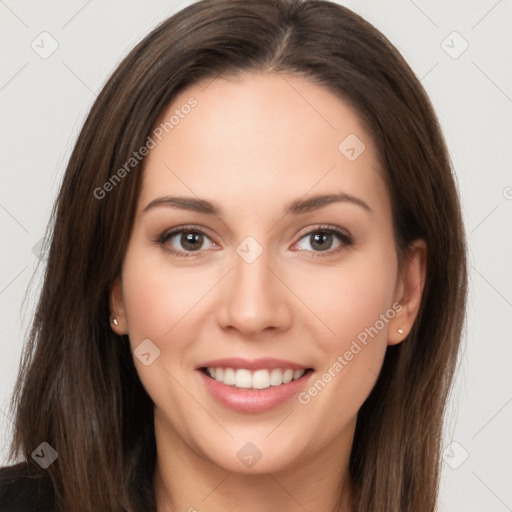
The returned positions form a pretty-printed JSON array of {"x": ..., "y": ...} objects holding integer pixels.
[
  {"x": 117, "y": 309},
  {"x": 408, "y": 291}
]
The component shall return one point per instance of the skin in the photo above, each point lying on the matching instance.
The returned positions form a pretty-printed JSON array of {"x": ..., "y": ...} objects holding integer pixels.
[{"x": 253, "y": 144}]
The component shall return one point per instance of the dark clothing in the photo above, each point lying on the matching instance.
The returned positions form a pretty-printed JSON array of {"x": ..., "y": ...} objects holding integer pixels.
[{"x": 25, "y": 488}]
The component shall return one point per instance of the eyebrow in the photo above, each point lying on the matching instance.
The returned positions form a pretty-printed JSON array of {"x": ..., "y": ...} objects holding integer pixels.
[{"x": 296, "y": 207}]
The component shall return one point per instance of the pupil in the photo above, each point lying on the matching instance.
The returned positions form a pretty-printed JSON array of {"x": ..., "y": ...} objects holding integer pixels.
[
  {"x": 189, "y": 240},
  {"x": 320, "y": 239}
]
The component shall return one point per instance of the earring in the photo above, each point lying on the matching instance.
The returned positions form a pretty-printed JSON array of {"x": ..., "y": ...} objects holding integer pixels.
[
  {"x": 400, "y": 331},
  {"x": 114, "y": 321}
]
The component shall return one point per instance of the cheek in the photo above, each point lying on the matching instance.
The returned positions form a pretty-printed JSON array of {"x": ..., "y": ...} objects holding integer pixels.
[
  {"x": 350, "y": 298},
  {"x": 156, "y": 296},
  {"x": 355, "y": 304},
  {"x": 144, "y": 299},
  {"x": 365, "y": 297},
  {"x": 159, "y": 304}
]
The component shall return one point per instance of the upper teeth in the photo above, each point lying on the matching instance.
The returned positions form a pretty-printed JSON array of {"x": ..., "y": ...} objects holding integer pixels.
[{"x": 259, "y": 379}]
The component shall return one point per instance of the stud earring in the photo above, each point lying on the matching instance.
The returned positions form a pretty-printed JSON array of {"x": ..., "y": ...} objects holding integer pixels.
[
  {"x": 400, "y": 331},
  {"x": 114, "y": 321}
]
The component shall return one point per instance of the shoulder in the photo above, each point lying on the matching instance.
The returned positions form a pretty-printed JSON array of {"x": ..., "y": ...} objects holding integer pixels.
[{"x": 24, "y": 488}]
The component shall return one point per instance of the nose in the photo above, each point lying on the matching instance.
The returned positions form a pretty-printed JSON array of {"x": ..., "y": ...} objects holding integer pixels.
[{"x": 254, "y": 299}]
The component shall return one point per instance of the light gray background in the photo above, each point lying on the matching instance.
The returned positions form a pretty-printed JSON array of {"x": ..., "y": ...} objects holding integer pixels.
[{"x": 43, "y": 103}]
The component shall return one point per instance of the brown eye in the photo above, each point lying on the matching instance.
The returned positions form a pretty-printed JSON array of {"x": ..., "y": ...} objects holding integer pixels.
[
  {"x": 321, "y": 241},
  {"x": 191, "y": 241},
  {"x": 328, "y": 240},
  {"x": 184, "y": 241}
]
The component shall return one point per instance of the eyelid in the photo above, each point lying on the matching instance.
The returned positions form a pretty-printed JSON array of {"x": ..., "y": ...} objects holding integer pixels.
[
  {"x": 343, "y": 236},
  {"x": 163, "y": 238},
  {"x": 328, "y": 228}
]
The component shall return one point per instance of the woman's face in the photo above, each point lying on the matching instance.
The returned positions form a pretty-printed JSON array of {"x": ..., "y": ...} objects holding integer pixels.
[{"x": 277, "y": 284}]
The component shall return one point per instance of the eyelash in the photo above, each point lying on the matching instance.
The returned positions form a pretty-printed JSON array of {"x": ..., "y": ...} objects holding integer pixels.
[{"x": 344, "y": 237}]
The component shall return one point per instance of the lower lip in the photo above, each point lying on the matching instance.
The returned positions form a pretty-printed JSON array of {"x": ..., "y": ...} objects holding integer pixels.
[{"x": 253, "y": 400}]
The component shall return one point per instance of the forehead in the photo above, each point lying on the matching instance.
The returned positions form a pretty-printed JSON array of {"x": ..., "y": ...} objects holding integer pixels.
[{"x": 257, "y": 138}]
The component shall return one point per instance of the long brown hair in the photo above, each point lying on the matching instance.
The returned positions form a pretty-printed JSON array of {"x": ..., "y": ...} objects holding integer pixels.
[{"x": 78, "y": 389}]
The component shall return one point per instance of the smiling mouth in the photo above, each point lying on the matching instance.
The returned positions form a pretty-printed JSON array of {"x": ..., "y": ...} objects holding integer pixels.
[{"x": 242, "y": 378}]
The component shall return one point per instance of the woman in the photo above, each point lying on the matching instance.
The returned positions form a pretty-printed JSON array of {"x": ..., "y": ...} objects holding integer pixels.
[{"x": 256, "y": 278}]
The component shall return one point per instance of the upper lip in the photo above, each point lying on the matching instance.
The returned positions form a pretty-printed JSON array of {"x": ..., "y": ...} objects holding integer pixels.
[{"x": 254, "y": 364}]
